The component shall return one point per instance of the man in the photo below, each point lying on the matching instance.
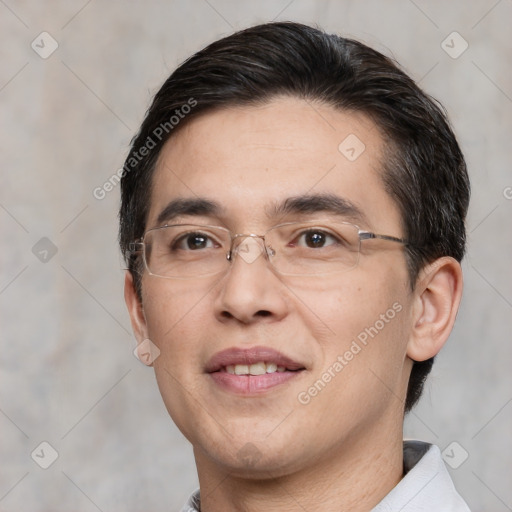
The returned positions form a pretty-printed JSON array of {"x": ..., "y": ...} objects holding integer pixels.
[{"x": 293, "y": 222}]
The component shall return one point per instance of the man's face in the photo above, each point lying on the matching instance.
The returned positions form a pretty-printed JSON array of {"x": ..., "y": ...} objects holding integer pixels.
[{"x": 344, "y": 335}]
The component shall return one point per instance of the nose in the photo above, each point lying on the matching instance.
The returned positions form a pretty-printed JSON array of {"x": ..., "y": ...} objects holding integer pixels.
[{"x": 250, "y": 292}]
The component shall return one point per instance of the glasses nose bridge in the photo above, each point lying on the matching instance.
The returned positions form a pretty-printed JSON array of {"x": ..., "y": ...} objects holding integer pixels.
[{"x": 248, "y": 246}]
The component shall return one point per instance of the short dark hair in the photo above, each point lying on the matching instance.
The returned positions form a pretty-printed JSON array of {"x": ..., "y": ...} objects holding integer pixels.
[{"x": 423, "y": 167}]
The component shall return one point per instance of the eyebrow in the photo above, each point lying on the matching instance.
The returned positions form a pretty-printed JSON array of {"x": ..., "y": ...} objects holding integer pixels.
[
  {"x": 315, "y": 203},
  {"x": 302, "y": 204},
  {"x": 185, "y": 206}
]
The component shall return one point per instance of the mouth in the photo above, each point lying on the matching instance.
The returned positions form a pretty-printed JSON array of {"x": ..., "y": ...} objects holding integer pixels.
[
  {"x": 259, "y": 368},
  {"x": 252, "y": 371}
]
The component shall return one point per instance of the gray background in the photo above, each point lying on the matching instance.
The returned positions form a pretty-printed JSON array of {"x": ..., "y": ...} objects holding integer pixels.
[{"x": 68, "y": 375}]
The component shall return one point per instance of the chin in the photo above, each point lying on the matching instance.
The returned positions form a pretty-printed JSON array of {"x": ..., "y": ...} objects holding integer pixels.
[{"x": 252, "y": 463}]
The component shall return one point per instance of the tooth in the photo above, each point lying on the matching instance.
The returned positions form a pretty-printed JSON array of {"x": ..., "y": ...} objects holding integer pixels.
[
  {"x": 281, "y": 369},
  {"x": 271, "y": 367},
  {"x": 230, "y": 369},
  {"x": 258, "y": 368},
  {"x": 241, "y": 369}
]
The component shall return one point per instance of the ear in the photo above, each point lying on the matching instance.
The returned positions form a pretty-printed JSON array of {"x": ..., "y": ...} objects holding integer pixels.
[
  {"x": 437, "y": 293},
  {"x": 135, "y": 309}
]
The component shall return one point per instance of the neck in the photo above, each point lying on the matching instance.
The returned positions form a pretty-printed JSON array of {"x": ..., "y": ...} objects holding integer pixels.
[{"x": 355, "y": 476}]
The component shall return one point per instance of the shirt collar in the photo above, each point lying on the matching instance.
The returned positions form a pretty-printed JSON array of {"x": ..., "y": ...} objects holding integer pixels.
[{"x": 426, "y": 486}]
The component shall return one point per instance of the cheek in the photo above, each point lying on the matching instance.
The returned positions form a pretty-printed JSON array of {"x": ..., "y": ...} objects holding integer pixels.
[
  {"x": 360, "y": 327},
  {"x": 176, "y": 316},
  {"x": 353, "y": 306},
  {"x": 174, "y": 312},
  {"x": 362, "y": 339},
  {"x": 377, "y": 319}
]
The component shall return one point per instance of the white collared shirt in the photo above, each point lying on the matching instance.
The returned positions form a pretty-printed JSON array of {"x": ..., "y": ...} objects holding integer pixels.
[{"x": 426, "y": 486}]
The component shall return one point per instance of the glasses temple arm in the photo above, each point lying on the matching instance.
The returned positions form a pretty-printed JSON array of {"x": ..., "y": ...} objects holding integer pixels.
[{"x": 366, "y": 235}]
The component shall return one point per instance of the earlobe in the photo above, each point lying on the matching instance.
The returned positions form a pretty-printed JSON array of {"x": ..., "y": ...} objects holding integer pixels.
[
  {"x": 438, "y": 293},
  {"x": 135, "y": 308}
]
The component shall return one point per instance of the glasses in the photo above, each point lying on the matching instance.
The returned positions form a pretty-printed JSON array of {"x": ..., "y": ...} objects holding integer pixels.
[{"x": 185, "y": 251}]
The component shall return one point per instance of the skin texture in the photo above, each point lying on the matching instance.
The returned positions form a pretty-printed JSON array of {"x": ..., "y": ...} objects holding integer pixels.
[{"x": 343, "y": 449}]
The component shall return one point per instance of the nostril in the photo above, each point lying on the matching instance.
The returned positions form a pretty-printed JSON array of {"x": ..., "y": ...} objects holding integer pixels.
[{"x": 263, "y": 313}]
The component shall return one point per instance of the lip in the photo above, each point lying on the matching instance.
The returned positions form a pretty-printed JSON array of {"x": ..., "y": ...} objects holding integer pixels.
[
  {"x": 233, "y": 356},
  {"x": 251, "y": 384}
]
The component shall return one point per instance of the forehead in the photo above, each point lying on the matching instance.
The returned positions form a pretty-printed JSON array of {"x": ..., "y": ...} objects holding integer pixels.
[{"x": 250, "y": 159}]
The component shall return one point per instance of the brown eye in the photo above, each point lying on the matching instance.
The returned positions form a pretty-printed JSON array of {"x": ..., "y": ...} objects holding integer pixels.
[
  {"x": 315, "y": 239},
  {"x": 193, "y": 242}
]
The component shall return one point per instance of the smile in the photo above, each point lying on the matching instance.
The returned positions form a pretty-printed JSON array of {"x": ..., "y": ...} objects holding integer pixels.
[
  {"x": 260, "y": 368},
  {"x": 251, "y": 371}
]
